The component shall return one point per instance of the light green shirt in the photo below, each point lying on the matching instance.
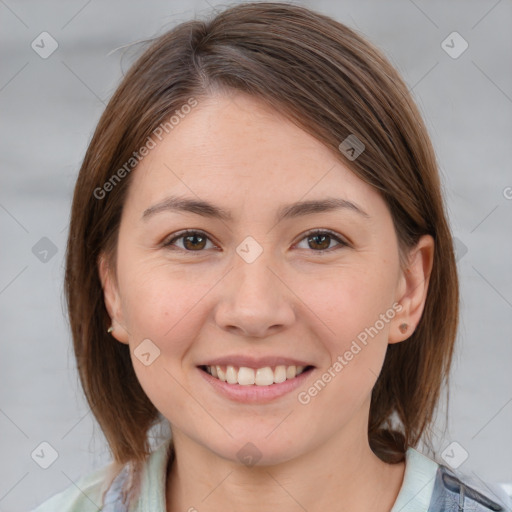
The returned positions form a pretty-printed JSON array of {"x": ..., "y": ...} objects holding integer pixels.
[
  {"x": 87, "y": 493},
  {"x": 418, "y": 484}
]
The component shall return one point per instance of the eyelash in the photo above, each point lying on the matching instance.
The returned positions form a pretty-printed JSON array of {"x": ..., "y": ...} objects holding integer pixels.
[{"x": 313, "y": 232}]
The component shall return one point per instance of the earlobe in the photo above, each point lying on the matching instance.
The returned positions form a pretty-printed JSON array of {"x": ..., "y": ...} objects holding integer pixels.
[
  {"x": 112, "y": 301},
  {"x": 412, "y": 290}
]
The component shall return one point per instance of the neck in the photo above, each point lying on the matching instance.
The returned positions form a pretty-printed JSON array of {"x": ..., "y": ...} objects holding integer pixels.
[{"x": 337, "y": 475}]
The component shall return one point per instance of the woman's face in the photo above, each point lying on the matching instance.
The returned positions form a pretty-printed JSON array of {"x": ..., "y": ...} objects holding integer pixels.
[{"x": 252, "y": 288}]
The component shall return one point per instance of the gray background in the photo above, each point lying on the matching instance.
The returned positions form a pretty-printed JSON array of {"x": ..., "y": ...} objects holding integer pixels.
[{"x": 49, "y": 108}]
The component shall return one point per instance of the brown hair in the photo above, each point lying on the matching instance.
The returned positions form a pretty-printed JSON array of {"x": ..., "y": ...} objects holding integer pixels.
[{"x": 332, "y": 83}]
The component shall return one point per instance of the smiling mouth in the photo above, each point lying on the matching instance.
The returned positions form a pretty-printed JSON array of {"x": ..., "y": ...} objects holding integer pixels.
[{"x": 245, "y": 376}]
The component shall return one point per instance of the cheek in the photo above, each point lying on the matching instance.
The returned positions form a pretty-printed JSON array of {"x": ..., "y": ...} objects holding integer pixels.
[
  {"x": 351, "y": 303},
  {"x": 357, "y": 308},
  {"x": 159, "y": 307},
  {"x": 162, "y": 305},
  {"x": 146, "y": 294}
]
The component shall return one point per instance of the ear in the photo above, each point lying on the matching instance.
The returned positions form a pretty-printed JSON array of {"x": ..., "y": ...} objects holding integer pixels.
[
  {"x": 112, "y": 299},
  {"x": 412, "y": 289}
]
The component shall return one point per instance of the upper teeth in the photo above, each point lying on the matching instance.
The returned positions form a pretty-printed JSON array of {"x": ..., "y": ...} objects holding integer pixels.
[{"x": 260, "y": 376}]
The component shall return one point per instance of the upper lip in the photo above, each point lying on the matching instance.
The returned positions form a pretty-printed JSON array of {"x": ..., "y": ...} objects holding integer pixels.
[{"x": 254, "y": 362}]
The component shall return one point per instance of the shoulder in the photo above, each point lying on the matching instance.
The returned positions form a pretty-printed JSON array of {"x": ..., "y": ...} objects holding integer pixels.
[
  {"x": 83, "y": 495},
  {"x": 109, "y": 488},
  {"x": 432, "y": 487},
  {"x": 455, "y": 491}
]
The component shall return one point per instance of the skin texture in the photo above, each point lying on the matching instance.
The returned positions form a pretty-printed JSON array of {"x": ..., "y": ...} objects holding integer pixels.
[{"x": 293, "y": 300}]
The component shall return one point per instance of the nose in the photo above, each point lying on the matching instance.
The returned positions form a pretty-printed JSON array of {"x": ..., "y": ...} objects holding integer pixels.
[{"x": 254, "y": 300}]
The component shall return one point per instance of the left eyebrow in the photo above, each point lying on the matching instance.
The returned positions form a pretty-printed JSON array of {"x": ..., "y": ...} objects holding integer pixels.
[{"x": 206, "y": 209}]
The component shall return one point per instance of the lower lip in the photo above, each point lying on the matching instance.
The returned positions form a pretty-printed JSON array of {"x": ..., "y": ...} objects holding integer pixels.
[{"x": 254, "y": 393}]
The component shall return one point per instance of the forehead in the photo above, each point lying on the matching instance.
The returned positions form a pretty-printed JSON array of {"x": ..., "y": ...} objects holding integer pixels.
[{"x": 236, "y": 151}]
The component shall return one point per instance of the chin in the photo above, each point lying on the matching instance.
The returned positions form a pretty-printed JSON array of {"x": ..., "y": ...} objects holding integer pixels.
[{"x": 256, "y": 450}]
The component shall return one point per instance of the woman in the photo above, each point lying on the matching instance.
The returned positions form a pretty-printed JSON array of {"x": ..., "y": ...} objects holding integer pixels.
[{"x": 259, "y": 255}]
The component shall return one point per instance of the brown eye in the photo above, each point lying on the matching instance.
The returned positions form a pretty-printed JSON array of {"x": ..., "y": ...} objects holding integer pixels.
[
  {"x": 193, "y": 241},
  {"x": 319, "y": 241}
]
